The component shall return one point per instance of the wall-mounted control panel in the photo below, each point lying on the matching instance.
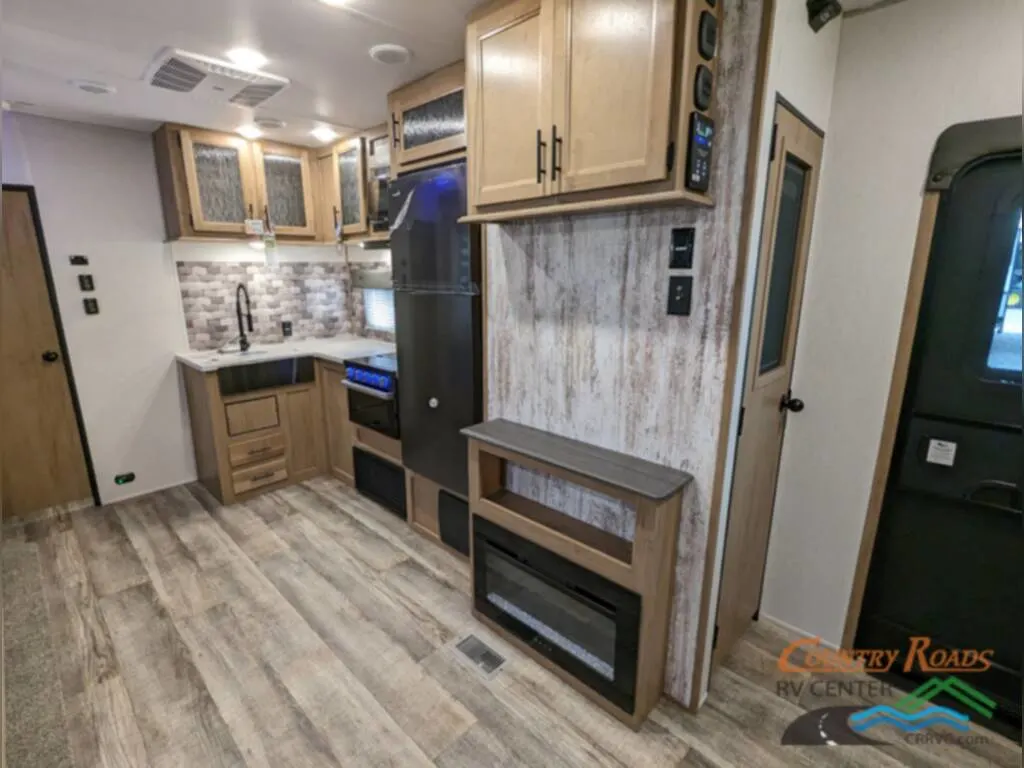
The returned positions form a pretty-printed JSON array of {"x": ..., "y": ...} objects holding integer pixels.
[{"x": 698, "y": 155}]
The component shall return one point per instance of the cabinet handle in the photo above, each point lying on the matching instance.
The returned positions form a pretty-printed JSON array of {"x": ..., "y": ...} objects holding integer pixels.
[
  {"x": 262, "y": 476},
  {"x": 541, "y": 147},
  {"x": 250, "y": 211},
  {"x": 556, "y": 153},
  {"x": 264, "y": 449},
  {"x": 266, "y": 215},
  {"x": 394, "y": 130},
  {"x": 334, "y": 210}
]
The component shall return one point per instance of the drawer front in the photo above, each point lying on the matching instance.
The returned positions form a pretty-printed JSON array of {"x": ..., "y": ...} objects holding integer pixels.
[
  {"x": 252, "y": 415},
  {"x": 256, "y": 449},
  {"x": 260, "y": 475}
]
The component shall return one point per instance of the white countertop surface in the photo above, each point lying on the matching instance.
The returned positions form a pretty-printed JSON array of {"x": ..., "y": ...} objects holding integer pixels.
[{"x": 334, "y": 350}]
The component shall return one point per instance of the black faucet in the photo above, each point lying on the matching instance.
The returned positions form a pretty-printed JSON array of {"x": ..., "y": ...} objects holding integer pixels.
[{"x": 241, "y": 290}]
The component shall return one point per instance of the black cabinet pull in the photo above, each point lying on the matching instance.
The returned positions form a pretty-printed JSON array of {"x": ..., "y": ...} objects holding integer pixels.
[
  {"x": 49, "y": 356},
  {"x": 250, "y": 210},
  {"x": 394, "y": 130},
  {"x": 263, "y": 476},
  {"x": 266, "y": 215},
  {"x": 541, "y": 148},
  {"x": 334, "y": 210},
  {"x": 556, "y": 153}
]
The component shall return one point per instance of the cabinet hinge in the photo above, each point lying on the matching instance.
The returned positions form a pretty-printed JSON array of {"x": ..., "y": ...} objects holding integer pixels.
[
  {"x": 714, "y": 638},
  {"x": 670, "y": 157},
  {"x": 775, "y": 136},
  {"x": 743, "y": 412}
]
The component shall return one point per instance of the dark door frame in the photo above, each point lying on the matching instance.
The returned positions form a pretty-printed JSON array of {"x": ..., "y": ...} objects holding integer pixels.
[{"x": 51, "y": 291}]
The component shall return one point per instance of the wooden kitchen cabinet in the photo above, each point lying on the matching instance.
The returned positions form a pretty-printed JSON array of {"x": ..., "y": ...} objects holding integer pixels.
[
  {"x": 304, "y": 418},
  {"x": 338, "y": 427},
  {"x": 220, "y": 178},
  {"x": 576, "y": 105},
  {"x": 285, "y": 184},
  {"x": 428, "y": 118},
  {"x": 210, "y": 183}
]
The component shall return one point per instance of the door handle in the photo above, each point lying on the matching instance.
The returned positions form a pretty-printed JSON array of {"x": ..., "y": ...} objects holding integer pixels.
[
  {"x": 790, "y": 403},
  {"x": 1012, "y": 491},
  {"x": 49, "y": 356},
  {"x": 556, "y": 153},
  {"x": 394, "y": 130},
  {"x": 334, "y": 210},
  {"x": 541, "y": 147}
]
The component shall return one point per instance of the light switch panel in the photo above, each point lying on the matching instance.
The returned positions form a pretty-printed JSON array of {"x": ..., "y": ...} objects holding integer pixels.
[{"x": 680, "y": 295}]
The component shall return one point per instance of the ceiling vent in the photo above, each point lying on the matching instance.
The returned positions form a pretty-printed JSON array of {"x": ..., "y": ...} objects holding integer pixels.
[{"x": 206, "y": 77}]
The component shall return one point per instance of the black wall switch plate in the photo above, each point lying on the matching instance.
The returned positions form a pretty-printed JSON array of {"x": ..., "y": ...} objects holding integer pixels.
[
  {"x": 85, "y": 283},
  {"x": 286, "y": 328},
  {"x": 78, "y": 260},
  {"x": 680, "y": 295},
  {"x": 92, "y": 307},
  {"x": 683, "y": 240}
]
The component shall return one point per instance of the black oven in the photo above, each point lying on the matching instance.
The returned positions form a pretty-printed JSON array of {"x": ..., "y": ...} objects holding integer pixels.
[
  {"x": 372, "y": 384},
  {"x": 586, "y": 624}
]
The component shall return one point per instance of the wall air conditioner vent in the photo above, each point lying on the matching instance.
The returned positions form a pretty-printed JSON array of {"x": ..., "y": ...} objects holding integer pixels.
[{"x": 212, "y": 79}]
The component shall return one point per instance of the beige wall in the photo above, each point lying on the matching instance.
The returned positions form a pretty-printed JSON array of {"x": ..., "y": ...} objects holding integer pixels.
[{"x": 905, "y": 73}]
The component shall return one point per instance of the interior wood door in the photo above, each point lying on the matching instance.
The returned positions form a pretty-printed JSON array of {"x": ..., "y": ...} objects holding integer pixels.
[
  {"x": 339, "y": 428},
  {"x": 41, "y": 454},
  {"x": 508, "y": 92},
  {"x": 613, "y": 65},
  {"x": 350, "y": 176},
  {"x": 285, "y": 183},
  {"x": 767, "y": 401},
  {"x": 221, "y": 181}
]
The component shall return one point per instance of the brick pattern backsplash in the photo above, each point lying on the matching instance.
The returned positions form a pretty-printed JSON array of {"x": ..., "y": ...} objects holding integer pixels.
[{"x": 316, "y": 297}]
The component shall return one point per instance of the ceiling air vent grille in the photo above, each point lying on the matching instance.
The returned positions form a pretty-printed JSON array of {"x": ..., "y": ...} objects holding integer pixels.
[
  {"x": 176, "y": 75},
  {"x": 254, "y": 95}
]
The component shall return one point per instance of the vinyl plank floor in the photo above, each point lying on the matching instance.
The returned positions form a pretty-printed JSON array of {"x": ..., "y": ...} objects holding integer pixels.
[{"x": 310, "y": 628}]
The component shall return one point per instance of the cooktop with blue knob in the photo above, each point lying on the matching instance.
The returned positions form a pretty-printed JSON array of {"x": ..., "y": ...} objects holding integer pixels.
[{"x": 377, "y": 372}]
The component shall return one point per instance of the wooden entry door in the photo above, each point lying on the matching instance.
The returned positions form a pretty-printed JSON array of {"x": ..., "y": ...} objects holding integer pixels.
[
  {"x": 767, "y": 400},
  {"x": 43, "y": 462}
]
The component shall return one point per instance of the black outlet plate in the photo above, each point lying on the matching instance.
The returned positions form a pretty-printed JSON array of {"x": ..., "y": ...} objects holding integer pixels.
[
  {"x": 86, "y": 283},
  {"x": 92, "y": 306},
  {"x": 286, "y": 328},
  {"x": 680, "y": 295},
  {"x": 683, "y": 239},
  {"x": 78, "y": 260}
]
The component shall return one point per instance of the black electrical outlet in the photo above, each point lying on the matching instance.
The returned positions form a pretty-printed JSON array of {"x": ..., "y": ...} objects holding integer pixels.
[
  {"x": 127, "y": 477},
  {"x": 286, "y": 328},
  {"x": 680, "y": 295},
  {"x": 85, "y": 283},
  {"x": 92, "y": 307},
  {"x": 683, "y": 240},
  {"x": 78, "y": 260}
]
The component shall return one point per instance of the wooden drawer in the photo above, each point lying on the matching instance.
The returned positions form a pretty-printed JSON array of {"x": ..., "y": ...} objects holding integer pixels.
[
  {"x": 252, "y": 415},
  {"x": 256, "y": 449},
  {"x": 260, "y": 475}
]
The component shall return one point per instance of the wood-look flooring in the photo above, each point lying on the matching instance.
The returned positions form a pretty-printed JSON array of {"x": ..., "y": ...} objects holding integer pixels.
[{"x": 310, "y": 627}]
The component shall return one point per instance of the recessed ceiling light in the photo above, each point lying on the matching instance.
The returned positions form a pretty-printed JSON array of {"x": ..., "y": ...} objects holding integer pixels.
[
  {"x": 323, "y": 133},
  {"x": 390, "y": 53},
  {"x": 246, "y": 58},
  {"x": 335, "y": 3},
  {"x": 94, "y": 87},
  {"x": 249, "y": 131}
]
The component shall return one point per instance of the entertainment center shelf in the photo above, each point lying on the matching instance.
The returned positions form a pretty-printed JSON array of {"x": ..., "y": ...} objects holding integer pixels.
[{"x": 591, "y": 606}]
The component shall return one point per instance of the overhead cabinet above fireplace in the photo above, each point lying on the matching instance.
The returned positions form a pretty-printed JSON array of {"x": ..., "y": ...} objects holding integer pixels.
[{"x": 589, "y": 104}]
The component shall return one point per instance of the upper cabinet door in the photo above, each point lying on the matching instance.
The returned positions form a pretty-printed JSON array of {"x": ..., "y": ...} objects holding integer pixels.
[
  {"x": 350, "y": 167},
  {"x": 378, "y": 170},
  {"x": 220, "y": 179},
  {"x": 508, "y": 79},
  {"x": 429, "y": 117},
  {"x": 286, "y": 189},
  {"x": 612, "y": 91}
]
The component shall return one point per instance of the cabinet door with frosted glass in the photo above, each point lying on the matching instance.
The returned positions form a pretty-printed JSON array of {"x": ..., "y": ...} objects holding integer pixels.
[
  {"x": 220, "y": 177},
  {"x": 350, "y": 165},
  {"x": 428, "y": 117},
  {"x": 378, "y": 170},
  {"x": 286, "y": 189}
]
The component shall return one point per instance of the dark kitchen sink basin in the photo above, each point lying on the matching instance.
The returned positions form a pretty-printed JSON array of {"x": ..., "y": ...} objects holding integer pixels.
[{"x": 239, "y": 379}]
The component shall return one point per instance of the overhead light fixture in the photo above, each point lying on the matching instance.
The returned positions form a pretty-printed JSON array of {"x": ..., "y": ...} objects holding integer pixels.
[
  {"x": 324, "y": 133},
  {"x": 249, "y": 132},
  {"x": 247, "y": 58},
  {"x": 335, "y": 3},
  {"x": 390, "y": 53}
]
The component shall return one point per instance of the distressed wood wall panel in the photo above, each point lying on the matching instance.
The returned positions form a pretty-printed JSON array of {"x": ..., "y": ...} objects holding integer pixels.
[{"x": 580, "y": 344}]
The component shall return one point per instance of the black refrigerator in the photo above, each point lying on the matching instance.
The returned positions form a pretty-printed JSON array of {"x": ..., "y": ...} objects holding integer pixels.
[{"x": 436, "y": 266}]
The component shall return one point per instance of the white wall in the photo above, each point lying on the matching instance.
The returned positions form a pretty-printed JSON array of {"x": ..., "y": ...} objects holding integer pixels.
[
  {"x": 801, "y": 67},
  {"x": 98, "y": 196},
  {"x": 905, "y": 73}
]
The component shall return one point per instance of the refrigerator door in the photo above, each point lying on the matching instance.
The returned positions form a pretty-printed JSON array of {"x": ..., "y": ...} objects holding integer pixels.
[
  {"x": 430, "y": 249},
  {"x": 439, "y": 362}
]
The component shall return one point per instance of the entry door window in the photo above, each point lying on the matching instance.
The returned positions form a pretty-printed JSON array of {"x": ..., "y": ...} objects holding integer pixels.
[
  {"x": 1004, "y": 355},
  {"x": 787, "y": 241}
]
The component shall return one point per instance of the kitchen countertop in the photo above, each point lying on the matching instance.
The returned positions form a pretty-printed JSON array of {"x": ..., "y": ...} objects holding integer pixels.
[{"x": 334, "y": 350}]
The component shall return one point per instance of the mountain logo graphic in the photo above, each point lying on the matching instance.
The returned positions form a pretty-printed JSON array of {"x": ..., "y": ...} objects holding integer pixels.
[{"x": 913, "y": 712}]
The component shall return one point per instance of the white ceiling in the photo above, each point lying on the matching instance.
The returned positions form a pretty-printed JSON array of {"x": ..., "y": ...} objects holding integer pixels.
[{"x": 322, "y": 50}]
